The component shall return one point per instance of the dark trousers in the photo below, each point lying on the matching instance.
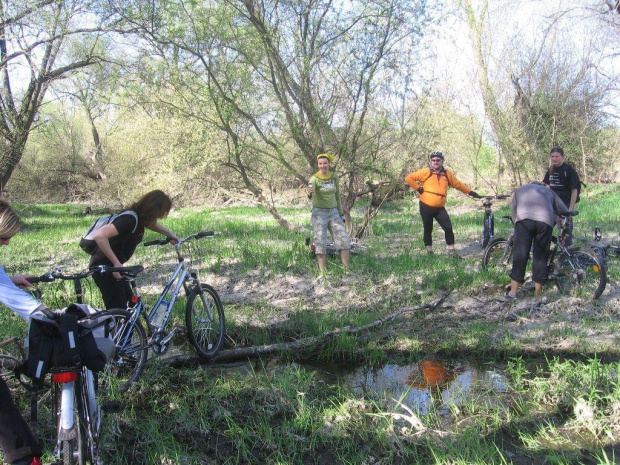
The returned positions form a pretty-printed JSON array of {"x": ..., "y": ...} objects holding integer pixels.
[
  {"x": 528, "y": 232},
  {"x": 115, "y": 293},
  {"x": 16, "y": 439},
  {"x": 441, "y": 215}
]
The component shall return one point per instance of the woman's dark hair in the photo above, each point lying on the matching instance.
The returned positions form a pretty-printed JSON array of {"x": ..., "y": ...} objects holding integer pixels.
[
  {"x": 555, "y": 149},
  {"x": 152, "y": 206}
]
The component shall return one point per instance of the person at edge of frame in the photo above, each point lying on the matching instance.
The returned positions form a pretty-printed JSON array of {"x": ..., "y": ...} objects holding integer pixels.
[
  {"x": 327, "y": 212},
  {"x": 432, "y": 183},
  {"x": 534, "y": 208},
  {"x": 117, "y": 242},
  {"x": 16, "y": 438},
  {"x": 563, "y": 179}
]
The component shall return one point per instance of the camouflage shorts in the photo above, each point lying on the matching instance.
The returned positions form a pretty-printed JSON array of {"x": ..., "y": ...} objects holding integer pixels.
[{"x": 328, "y": 218}]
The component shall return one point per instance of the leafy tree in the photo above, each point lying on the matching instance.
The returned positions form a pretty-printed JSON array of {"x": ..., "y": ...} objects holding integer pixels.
[
  {"x": 33, "y": 34},
  {"x": 284, "y": 81},
  {"x": 95, "y": 90},
  {"x": 143, "y": 151},
  {"x": 541, "y": 93}
]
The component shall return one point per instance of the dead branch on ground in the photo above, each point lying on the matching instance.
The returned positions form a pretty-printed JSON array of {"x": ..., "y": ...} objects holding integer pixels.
[{"x": 241, "y": 353}]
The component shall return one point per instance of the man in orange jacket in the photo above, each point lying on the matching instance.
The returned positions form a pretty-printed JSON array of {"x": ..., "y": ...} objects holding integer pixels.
[{"x": 432, "y": 184}]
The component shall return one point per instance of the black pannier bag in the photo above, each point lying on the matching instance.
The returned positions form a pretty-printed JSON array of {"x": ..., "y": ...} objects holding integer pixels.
[{"x": 68, "y": 342}]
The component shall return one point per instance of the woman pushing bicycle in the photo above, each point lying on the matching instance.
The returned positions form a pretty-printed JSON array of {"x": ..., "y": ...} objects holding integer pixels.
[
  {"x": 432, "y": 183},
  {"x": 117, "y": 242},
  {"x": 16, "y": 438}
]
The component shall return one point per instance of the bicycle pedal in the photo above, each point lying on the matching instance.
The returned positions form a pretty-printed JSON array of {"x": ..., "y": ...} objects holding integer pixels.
[{"x": 112, "y": 406}]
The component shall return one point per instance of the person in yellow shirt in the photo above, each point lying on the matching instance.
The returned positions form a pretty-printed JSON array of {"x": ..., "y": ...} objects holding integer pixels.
[
  {"x": 432, "y": 183},
  {"x": 327, "y": 211}
]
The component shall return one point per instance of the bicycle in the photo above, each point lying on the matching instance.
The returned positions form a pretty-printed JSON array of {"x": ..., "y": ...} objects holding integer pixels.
[
  {"x": 126, "y": 364},
  {"x": 74, "y": 392},
  {"x": 204, "y": 316},
  {"x": 488, "y": 225},
  {"x": 572, "y": 270},
  {"x": 603, "y": 250}
]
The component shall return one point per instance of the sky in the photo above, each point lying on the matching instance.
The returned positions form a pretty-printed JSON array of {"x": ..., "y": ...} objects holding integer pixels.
[{"x": 511, "y": 28}]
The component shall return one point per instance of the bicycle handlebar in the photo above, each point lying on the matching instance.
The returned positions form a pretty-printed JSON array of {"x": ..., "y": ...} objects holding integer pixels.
[
  {"x": 46, "y": 278},
  {"x": 165, "y": 241},
  {"x": 157, "y": 242},
  {"x": 498, "y": 197},
  {"x": 53, "y": 275}
]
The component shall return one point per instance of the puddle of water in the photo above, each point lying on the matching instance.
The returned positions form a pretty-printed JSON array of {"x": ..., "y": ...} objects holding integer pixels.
[
  {"x": 417, "y": 386},
  {"x": 420, "y": 385}
]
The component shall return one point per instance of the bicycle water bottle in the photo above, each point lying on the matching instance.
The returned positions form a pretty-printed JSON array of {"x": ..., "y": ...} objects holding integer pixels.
[{"x": 158, "y": 318}]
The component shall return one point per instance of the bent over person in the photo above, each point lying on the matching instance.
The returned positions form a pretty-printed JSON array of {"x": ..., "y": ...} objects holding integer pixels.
[
  {"x": 327, "y": 213},
  {"x": 533, "y": 210},
  {"x": 16, "y": 439},
  {"x": 432, "y": 183},
  {"x": 117, "y": 242}
]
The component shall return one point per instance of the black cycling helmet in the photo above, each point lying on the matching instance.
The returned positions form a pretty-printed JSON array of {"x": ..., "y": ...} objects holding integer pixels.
[{"x": 436, "y": 154}]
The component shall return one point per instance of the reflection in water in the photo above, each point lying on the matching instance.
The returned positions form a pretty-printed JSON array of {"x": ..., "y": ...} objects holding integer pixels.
[
  {"x": 434, "y": 375},
  {"x": 421, "y": 385}
]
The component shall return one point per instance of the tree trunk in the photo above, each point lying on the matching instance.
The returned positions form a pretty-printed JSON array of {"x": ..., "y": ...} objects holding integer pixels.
[
  {"x": 10, "y": 159},
  {"x": 584, "y": 172}
]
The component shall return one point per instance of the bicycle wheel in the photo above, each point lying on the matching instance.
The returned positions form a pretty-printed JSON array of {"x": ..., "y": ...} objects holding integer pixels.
[
  {"x": 581, "y": 274},
  {"x": 498, "y": 255},
  {"x": 74, "y": 449},
  {"x": 126, "y": 366},
  {"x": 204, "y": 317},
  {"x": 90, "y": 415}
]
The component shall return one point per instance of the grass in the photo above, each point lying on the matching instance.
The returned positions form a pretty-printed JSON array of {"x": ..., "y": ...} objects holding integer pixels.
[
  {"x": 563, "y": 409},
  {"x": 285, "y": 415}
]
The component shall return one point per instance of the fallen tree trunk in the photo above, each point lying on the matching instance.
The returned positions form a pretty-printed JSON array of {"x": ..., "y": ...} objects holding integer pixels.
[{"x": 242, "y": 353}]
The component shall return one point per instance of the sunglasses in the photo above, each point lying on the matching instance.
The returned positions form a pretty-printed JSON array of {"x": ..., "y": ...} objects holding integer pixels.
[{"x": 436, "y": 160}]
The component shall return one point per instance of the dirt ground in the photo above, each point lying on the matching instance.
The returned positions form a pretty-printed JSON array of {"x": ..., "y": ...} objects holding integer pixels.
[{"x": 538, "y": 324}]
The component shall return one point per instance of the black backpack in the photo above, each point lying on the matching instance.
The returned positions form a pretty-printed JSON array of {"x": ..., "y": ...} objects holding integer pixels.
[
  {"x": 67, "y": 342},
  {"x": 579, "y": 181}
]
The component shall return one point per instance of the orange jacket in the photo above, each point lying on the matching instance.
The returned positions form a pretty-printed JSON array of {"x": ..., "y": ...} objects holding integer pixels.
[{"x": 435, "y": 185}]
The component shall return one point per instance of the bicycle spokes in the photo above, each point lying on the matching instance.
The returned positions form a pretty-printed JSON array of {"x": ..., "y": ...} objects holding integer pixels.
[{"x": 581, "y": 274}]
